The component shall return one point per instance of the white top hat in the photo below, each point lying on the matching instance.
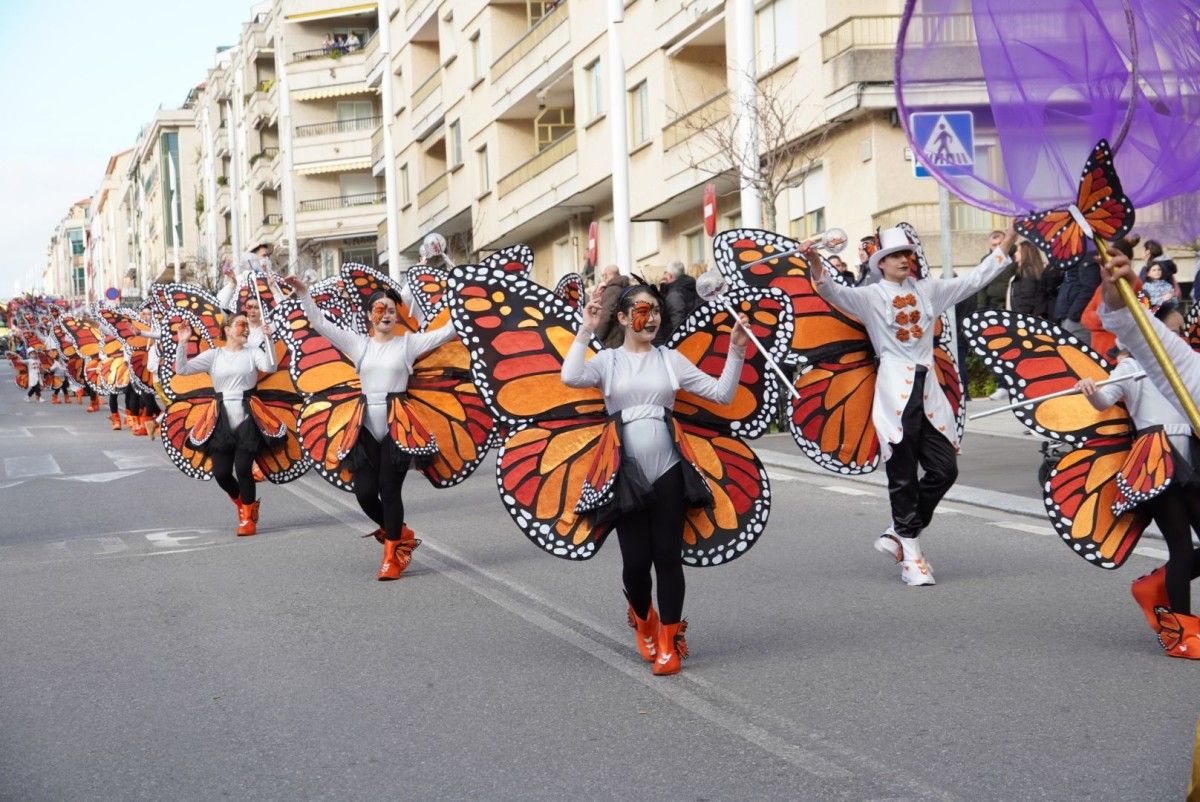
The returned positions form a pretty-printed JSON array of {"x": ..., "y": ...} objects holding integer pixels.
[{"x": 892, "y": 240}]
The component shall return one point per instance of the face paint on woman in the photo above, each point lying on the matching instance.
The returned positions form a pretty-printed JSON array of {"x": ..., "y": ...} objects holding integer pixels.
[
  {"x": 377, "y": 313},
  {"x": 241, "y": 327},
  {"x": 639, "y": 315}
]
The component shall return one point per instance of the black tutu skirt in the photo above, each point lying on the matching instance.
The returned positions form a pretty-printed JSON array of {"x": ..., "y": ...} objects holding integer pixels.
[
  {"x": 363, "y": 455},
  {"x": 246, "y": 437}
]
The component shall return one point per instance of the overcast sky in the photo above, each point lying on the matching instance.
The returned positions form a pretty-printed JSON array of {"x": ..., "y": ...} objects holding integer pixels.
[{"x": 78, "y": 81}]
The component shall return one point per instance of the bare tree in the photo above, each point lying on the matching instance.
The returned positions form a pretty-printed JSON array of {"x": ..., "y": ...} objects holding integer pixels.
[{"x": 789, "y": 145}]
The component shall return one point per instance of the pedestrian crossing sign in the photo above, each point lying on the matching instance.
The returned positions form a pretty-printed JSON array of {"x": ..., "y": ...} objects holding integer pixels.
[{"x": 946, "y": 140}]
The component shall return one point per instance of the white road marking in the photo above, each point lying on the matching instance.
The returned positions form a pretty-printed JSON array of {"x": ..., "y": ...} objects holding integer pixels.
[
  {"x": 167, "y": 540},
  {"x": 30, "y": 466},
  {"x": 848, "y": 491},
  {"x": 6, "y": 485},
  {"x": 1150, "y": 551},
  {"x": 1032, "y": 529},
  {"x": 19, "y": 431},
  {"x": 126, "y": 458},
  {"x": 109, "y": 476},
  {"x": 104, "y": 545}
]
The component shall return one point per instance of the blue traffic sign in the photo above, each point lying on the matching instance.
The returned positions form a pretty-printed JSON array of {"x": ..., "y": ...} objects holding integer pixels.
[{"x": 946, "y": 140}]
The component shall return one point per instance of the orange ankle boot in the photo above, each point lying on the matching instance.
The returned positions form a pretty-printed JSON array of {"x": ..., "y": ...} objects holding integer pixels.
[
  {"x": 150, "y": 425},
  {"x": 115, "y": 417},
  {"x": 247, "y": 519},
  {"x": 670, "y": 648},
  {"x": 1150, "y": 591},
  {"x": 54, "y": 398},
  {"x": 138, "y": 426},
  {"x": 397, "y": 554},
  {"x": 1178, "y": 633},
  {"x": 647, "y": 632}
]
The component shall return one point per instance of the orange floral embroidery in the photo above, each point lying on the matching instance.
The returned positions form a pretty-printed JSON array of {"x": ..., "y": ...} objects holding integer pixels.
[
  {"x": 901, "y": 301},
  {"x": 914, "y": 315},
  {"x": 917, "y": 332},
  {"x": 902, "y": 318},
  {"x": 902, "y": 335}
]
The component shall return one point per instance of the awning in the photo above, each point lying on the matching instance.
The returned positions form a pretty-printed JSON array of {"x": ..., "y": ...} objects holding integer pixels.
[
  {"x": 344, "y": 166},
  {"x": 336, "y": 90},
  {"x": 336, "y": 11}
]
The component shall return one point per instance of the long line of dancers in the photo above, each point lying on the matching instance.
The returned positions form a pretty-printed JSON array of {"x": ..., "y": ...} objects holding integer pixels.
[{"x": 364, "y": 378}]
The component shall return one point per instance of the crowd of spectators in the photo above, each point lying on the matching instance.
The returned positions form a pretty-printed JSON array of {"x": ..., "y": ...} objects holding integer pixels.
[{"x": 341, "y": 43}]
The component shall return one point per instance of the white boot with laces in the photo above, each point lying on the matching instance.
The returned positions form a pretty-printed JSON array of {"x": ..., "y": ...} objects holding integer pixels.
[
  {"x": 914, "y": 570},
  {"x": 888, "y": 543}
]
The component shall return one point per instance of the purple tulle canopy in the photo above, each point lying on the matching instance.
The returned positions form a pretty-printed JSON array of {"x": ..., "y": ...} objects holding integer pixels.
[{"x": 1046, "y": 80}]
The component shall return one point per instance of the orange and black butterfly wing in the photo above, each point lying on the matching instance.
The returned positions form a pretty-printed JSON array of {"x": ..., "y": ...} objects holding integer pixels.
[
  {"x": 516, "y": 261},
  {"x": 741, "y": 496},
  {"x": 331, "y": 297},
  {"x": 831, "y": 422},
  {"x": 198, "y": 309},
  {"x": 1033, "y": 358},
  {"x": 1100, "y": 201},
  {"x": 275, "y": 406},
  {"x": 517, "y": 333},
  {"x": 1079, "y": 496},
  {"x": 542, "y": 470},
  {"x": 1191, "y": 327},
  {"x": 361, "y": 283},
  {"x": 570, "y": 288},
  {"x": 332, "y": 414},
  {"x": 442, "y": 395},
  {"x": 945, "y": 367},
  {"x": 22, "y": 371},
  {"x": 1146, "y": 472},
  {"x": 703, "y": 338},
  {"x": 428, "y": 287},
  {"x": 188, "y": 422},
  {"x": 751, "y": 257}
]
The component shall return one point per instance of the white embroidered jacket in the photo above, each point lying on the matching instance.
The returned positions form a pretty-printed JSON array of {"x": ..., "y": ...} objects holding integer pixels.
[{"x": 899, "y": 318}]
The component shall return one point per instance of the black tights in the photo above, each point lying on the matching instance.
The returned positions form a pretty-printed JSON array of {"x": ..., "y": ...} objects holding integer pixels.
[
  {"x": 133, "y": 401},
  {"x": 61, "y": 389},
  {"x": 224, "y": 466},
  {"x": 112, "y": 403},
  {"x": 34, "y": 389},
  {"x": 654, "y": 536},
  {"x": 1177, "y": 513},
  {"x": 379, "y": 486}
]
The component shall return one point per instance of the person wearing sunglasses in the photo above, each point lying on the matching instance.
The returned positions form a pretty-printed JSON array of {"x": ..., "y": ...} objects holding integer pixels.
[
  {"x": 912, "y": 416},
  {"x": 234, "y": 369}
]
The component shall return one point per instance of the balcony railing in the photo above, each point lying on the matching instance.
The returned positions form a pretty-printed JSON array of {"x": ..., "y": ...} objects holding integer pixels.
[
  {"x": 532, "y": 38},
  {"x": 707, "y": 113},
  {"x": 563, "y": 147},
  {"x": 422, "y": 92},
  {"x": 377, "y": 144},
  {"x": 434, "y": 188},
  {"x": 333, "y": 52},
  {"x": 341, "y": 202},
  {"x": 924, "y": 217},
  {"x": 272, "y": 219},
  {"x": 364, "y": 124},
  {"x": 269, "y": 152},
  {"x": 881, "y": 31}
]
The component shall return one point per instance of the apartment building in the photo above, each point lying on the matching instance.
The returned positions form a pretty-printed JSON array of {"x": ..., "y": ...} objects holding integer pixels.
[
  {"x": 159, "y": 199},
  {"x": 65, "y": 271},
  {"x": 109, "y": 265}
]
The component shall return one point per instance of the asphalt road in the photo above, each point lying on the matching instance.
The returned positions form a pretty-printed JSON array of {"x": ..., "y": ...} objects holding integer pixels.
[{"x": 147, "y": 653}]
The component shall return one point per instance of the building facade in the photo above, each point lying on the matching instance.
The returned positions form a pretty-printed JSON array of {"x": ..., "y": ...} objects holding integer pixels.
[{"x": 65, "y": 271}]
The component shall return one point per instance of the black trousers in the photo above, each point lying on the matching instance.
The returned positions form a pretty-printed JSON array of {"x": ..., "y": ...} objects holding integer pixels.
[
  {"x": 34, "y": 389},
  {"x": 232, "y": 470},
  {"x": 653, "y": 536},
  {"x": 1177, "y": 513},
  {"x": 914, "y": 499},
  {"x": 148, "y": 404},
  {"x": 63, "y": 389},
  {"x": 379, "y": 485}
]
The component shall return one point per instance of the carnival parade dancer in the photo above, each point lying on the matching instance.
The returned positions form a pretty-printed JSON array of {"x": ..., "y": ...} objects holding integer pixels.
[
  {"x": 384, "y": 363},
  {"x": 148, "y": 409},
  {"x": 910, "y": 411},
  {"x": 1166, "y": 591},
  {"x": 655, "y": 488},
  {"x": 236, "y": 439},
  {"x": 59, "y": 371},
  {"x": 34, "y": 364}
]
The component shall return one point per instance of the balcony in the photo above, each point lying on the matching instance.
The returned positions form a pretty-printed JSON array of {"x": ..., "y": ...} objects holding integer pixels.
[
  {"x": 260, "y": 104},
  {"x": 221, "y": 142},
  {"x": 542, "y": 30},
  {"x": 683, "y": 127},
  {"x": 261, "y": 45},
  {"x": 341, "y": 215},
  {"x": 969, "y": 226},
  {"x": 262, "y": 168},
  {"x": 432, "y": 190},
  {"x": 317, "y": 74},
  {"x": 221, "y": 202},
  {"x": 374, "y": 56},
  {"x": 272, "y": 219},
  {"x": 862, "y": 49},
  {"x": 562, "y": 148},
  {"x": 334, "y": 145},
  {"x": 427, "y": 106}
]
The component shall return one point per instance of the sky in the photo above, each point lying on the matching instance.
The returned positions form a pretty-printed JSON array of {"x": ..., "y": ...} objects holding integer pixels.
[{"x": 77, "y": 83}]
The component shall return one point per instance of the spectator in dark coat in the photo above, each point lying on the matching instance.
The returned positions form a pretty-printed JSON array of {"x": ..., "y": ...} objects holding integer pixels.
[
  {"x": 995, "y": 294},
  {"x": 1077, "y": 289},
  {"x": 612, "y": 284},
  {"x": 679, "y": 299},
  {"x": 1029, "y": 295}
]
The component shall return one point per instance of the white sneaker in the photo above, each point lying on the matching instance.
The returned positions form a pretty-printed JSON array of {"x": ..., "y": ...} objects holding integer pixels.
[
  {"x": 888, "y": 544},
  {"x": 41, "y": 400},
  {"x": 915, "y": 573},
  {"x": 1000, "y": 395},
  {"x": 28, "y": 400}
]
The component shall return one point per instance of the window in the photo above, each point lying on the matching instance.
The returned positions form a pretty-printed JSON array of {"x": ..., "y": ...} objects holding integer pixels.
[
  {"x": 806, "y": 202},
  {"x": 481, "y": 164},
  {"x": 639, "y": 114},
  {"x": 359, "y": 253},
  {"x": 454, "y": 138},
  {"x": 476, "y": 58},
  {"x": 693, "y": 246},
  {"x": 777, "y": 37},
  {"x": 358, "y": 188},
  {"x": 645, "y": 239},
  {"x": 552, "y": 125},
  {"x": 593, "y": 90},
  {"x": 402, "y": 180},
  {"x": 564, "y": 257},
  {"x": 355, "y": 115}
]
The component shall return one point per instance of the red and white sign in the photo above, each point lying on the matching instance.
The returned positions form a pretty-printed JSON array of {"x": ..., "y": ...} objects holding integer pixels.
[
  {"x": 710, "y": 209},
  {"x": 593, "y": 248}
]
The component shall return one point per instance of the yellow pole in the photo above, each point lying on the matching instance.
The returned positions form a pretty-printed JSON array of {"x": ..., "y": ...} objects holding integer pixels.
[{"x": 1156, "y": 346}]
